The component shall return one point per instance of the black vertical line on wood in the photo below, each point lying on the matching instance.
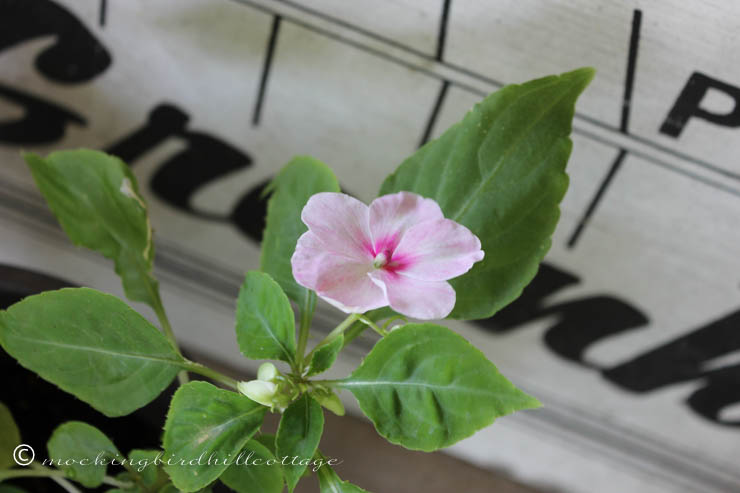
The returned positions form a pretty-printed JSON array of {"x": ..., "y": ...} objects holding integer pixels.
[
  {"x": 597, "y": 198},
  {"x": 103, "y": 12},
  {"x": 460, "y": 70},
  {"x": 629, "y": 83},
  {"x": 435, "y": 112},
  {"x": 629, "y": 80},
  {"x": 269, "y": 53},
  {"x": 442, "y": 33}
]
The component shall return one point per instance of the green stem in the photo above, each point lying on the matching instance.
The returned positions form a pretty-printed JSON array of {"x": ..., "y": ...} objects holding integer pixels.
[
  {"x": 30, "y": 473},
  {"x": 38, "y": 471},
  {"x": 393, "y": 319},
  {"x": 66, "y": 485},
  {"x": 158, "y": 307},
  {"x": 124, "y": 485},
  {"x": 209, "y": 372},
  {"x": 372, "y": 325},
  {"x": 327, "y": 383},
  {"x": 309, "y": 304},
  {"x": 353, "y": 333},
  {"x": 352, "y": 318},
  {"x": 366, "y": 322},
  {"x": 323, "y": 471},
  {"x": 135, "y": 475},
  {"x": 54, "y": 475}
]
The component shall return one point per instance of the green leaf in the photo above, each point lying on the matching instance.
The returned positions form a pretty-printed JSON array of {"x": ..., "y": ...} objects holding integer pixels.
[
  {"x": 170, "y": 488},
  {"x": 325, "y": 356},
  {"x": 96, "y": 199},
  {"x": 329, "y": 482},
  {"x": 257, "y": 471},
  {"x": 328, "y": 399},
  {"x": 142, "y": 461},
  {"x": 78, "y": 442},
  {"x": 302, "y": 177},
  {"x": 268, "y": 440},
  {"x": 501, "y": 172},
  {"x": 92, "y": 345},
  {"x": 10, "y": 437},
  {"x": 265, "y": 323},
  {"x": 425, "y": 387},
  {"x": 298, "y": 436},
  {"x": 206, "y": 422}
]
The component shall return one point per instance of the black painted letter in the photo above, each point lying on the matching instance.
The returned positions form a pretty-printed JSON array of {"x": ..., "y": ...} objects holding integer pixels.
[{"x": 688, "y": 105}]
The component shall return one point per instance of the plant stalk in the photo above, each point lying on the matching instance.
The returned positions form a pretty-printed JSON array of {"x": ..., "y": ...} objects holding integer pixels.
[
  {"x": 372, "y": 325},
  {"x": 124, "y": 485},
  {"x": 66, "y": 485},
  {"x": 30, "y": 473},
  {"x": 352, "y": 318},
  {"x": 158, "y": 307},
  {"x": 327, "y": 383},
  {"x": 37, "y": 471},
  {"x": 366, "y": 322},
  {"x": 353, "y": 333},
  {"x": 307, "y": 310},
  {"x": 209, "y": 372}
]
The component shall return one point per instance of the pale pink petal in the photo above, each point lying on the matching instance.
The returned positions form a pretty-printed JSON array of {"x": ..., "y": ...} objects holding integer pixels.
[
  {"x": 425, "y": 300},
  {"x": 340, "y": 222},
  {"x": 391, "y": 215},
  {"x": 339, "y": 279},
  {"x": 436, "y": 251}
]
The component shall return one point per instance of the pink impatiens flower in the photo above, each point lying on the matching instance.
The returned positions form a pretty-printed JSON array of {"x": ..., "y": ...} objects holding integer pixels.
[{"x": 399, "y": 251}]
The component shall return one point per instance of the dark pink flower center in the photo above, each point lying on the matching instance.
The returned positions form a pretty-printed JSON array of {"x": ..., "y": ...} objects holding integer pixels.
[{"x": 384, "y": 257}]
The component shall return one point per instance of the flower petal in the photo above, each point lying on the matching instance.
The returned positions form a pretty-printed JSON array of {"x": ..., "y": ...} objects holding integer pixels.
[
  {"x": 339, "y": 279},
  {"x": 425, "y": 300},
  {"x": 259, "y": 391},
  {"x": 340, "y": 222},
  {"x": 267, "y": 372},
  {"x": 437, "y": 250},
  {"x": 391, "y": 215}
]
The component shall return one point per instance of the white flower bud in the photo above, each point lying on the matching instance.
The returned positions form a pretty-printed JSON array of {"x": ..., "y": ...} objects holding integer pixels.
[
  {"x": 267, "y": 372},
  {"x": 259, "y": 391}
]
